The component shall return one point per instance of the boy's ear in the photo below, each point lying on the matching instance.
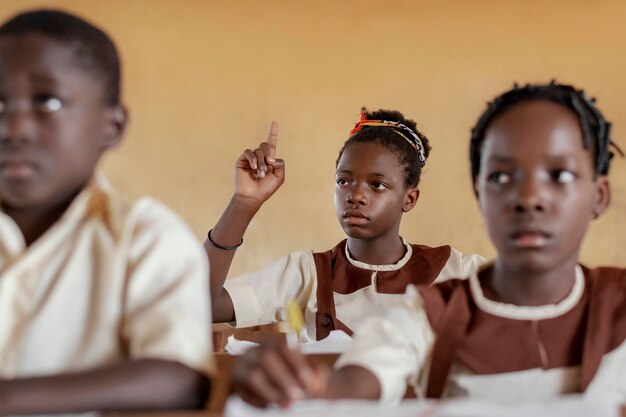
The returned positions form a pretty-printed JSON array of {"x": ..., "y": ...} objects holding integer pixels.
[
  {"x": 603, "y": 196},
  {"x": 410, "y": 199},
  {"x": 116, "y": 119}
]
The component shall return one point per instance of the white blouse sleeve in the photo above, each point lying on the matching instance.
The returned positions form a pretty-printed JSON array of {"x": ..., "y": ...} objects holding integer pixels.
[
  {"x": 395, "y": 347},
  {"x": 261, "y": 297}
]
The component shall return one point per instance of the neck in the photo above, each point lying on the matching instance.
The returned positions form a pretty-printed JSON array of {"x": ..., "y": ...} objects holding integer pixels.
[
  {"x": 529, "y": 288},
  {"x": 35, "y": 221},
  {"x": 381, "y": 251}
]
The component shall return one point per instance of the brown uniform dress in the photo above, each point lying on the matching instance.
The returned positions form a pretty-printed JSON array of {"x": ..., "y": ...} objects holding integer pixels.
[
  {"x": 487, "y": 344},
  {"x": 335, "y": 274}
]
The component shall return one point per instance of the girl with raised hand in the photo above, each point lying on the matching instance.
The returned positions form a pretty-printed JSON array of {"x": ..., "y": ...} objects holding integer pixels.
[{"x": 377, "y": 178}]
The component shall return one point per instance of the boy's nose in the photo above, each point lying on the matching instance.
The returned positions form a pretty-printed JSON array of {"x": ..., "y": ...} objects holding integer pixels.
[{"x": 16, "y": 126}]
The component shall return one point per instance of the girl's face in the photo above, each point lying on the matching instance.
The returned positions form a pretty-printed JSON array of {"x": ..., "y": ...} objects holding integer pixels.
[
  {"x": 370, "y": 195},
  {"x": 537, "y": 187}
]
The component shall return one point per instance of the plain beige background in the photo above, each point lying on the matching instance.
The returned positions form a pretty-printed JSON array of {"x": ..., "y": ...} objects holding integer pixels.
[{"x": 203, "y": 80}]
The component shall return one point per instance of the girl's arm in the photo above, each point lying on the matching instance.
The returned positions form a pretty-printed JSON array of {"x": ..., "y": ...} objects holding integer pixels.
[
  {"x": 258, "y": 174},
  {"x": 146, "y": 384}
]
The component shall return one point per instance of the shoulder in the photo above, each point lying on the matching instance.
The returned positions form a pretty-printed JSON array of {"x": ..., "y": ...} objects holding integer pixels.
[
  {"x": 437, "y": 297},
  {"x": 607, "y": 292},
  {"x": 607, "y": 279},
  {"x": 437, "y": 252},
  {"x": 149, "y": 225}
]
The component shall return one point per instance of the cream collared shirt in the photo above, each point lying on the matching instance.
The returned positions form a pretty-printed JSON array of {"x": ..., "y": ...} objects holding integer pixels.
[{"x": 110, "y": 280}]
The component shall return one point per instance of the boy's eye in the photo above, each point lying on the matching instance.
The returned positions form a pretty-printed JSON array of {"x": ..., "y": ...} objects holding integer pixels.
[
  {"x": 499, "y": 178},
  {"x": 563, "y": 176},
  {"x": 48, "y": 104},
  {"x": 341, "y": 182},
  {"x": 378, "y": 186}
]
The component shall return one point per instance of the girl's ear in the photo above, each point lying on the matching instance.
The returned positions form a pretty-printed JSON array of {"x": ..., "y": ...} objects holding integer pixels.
[
  {"x": 116, "y": 119},
  {"x": 410, "y": 199},
  {"x": 603, "y": 196}
]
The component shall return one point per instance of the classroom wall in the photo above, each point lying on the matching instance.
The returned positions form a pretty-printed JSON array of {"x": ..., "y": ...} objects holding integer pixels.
[{"x": 203, "y": 80}]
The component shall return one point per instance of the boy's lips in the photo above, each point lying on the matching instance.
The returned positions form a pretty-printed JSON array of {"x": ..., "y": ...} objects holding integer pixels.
[
  {"x": 17, "y": 168},
  {"x": 355, "y": 217},
  {"x": 530, "y": 238}
]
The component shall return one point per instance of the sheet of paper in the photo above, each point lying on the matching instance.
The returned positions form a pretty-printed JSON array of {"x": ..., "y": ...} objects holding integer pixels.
[
  {"x": 238, "y": 347},
  {"x": 574, "y": 406},
  {"x": 336, "y": 342}
]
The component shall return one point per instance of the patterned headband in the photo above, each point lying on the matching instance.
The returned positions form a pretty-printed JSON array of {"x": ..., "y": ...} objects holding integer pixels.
[{"x": 399, "y": 128}]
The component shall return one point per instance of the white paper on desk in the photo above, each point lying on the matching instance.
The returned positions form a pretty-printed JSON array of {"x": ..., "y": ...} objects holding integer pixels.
[
  {"x": 336, "y": 342},
  {"x": 561, "y": 407},
  {"x": 567, "y": 406},
  {"x": 236, "y": 407},
  {"x": 238, "y": 347}
]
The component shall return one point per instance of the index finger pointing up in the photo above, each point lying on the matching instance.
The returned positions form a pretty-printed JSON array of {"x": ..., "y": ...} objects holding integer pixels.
[{"x": 272, "y": 138}]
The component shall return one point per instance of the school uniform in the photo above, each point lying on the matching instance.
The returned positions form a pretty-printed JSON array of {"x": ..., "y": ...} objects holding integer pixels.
[
  {"x": 450, "y": 340},
  {"x": 110, "y": 280},
  {"x": 336, "y": 291}
]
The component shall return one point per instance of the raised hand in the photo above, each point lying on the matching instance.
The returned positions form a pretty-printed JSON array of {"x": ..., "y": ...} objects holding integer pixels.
[{"x": 258, "y": 174}]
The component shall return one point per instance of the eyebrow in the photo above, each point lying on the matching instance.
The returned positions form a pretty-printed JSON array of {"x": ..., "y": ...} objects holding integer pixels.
[
  {"x": 555, "y": 158},
  {"x": 373, "y": 174}
]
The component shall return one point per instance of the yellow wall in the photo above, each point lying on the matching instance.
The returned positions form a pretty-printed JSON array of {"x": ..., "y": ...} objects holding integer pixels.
[{"x": 203, "y": 79}]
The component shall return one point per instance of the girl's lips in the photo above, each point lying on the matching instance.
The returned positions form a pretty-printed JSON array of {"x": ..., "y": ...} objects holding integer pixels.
[
  {"x": 355, "y": 220},
  {"x": 531, "y": 239},
  {"x": 355, "y": 217}
]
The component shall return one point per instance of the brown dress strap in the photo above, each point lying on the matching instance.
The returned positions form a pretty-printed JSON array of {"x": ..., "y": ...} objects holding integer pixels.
[
  {"x": 449, "y": 330},
  {"x": 598, "y": 328},
  {"x": 325, "y": 317}
]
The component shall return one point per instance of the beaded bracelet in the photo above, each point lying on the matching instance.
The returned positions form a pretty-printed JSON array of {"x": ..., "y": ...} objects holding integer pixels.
[{"x": 217, "y": 245}]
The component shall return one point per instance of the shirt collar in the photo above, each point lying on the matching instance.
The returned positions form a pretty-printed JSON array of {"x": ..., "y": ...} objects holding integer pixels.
[
  {"x": 392, "y": 267},
  {"x": 513, "y": 311}
]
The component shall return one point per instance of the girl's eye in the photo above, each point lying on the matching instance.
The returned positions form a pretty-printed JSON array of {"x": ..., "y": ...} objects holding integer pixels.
[
  {"x": 3, "y": 106},
  {"x": 378, "y": 186},
  {"x": 341, "y": 182},
  {"x": 563, "y": 176},
  {"x": 499, "y": 178},
  {"x": 47, "y": 103}
]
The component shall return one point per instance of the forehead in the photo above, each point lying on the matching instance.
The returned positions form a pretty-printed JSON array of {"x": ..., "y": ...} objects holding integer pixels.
[
  {"x": 535, "y": 129},
  {"x": 37, "y": 56},
  {"x": 370, "y": 158}
]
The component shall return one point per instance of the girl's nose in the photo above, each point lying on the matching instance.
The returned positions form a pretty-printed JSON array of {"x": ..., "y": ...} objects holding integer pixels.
[
  {"x": 531, "y": 196},
  {"x": 357, "y": 196}
]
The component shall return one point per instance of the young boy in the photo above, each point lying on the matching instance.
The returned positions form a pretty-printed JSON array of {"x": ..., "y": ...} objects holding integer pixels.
[
  {"x": 103, "y": 302},
  {"x": 533, "y": 323}
]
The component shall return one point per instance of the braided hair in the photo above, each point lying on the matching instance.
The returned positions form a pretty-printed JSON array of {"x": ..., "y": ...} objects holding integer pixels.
[
  {"x": 595, "y": 128},
  {"x": 407, "y": 153}
]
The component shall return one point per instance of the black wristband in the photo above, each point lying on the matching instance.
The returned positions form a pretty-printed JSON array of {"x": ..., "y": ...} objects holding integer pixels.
[{"x": 217, "y": 245}]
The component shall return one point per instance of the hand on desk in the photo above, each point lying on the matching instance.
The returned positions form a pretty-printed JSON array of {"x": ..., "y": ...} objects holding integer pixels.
[{"x": 274, "y": 374}]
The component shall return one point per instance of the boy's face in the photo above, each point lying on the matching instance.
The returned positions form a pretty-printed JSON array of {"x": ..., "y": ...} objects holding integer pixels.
[
  {"x": 54, "y": 124},
  {"x": 536, "y": 186}
]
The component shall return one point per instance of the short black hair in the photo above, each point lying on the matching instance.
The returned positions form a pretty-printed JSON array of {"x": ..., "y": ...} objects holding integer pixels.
[
  {"x": 387, "y": 136},
  {"x": 596, "y": 130},
  {"x": 95, "y": 50}
]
